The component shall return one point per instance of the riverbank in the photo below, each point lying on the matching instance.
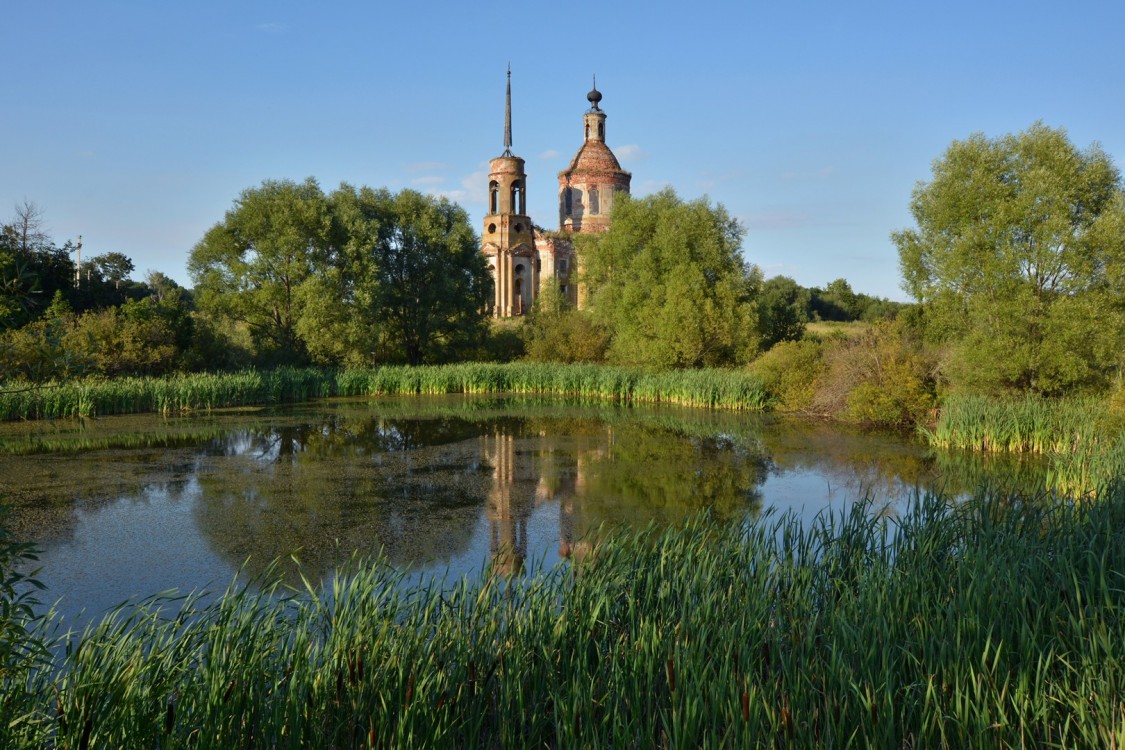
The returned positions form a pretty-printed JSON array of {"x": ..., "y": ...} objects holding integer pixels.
[
  {"x": 987, "y": 624},
  {"x": 723, "y": 389},
  {"x": 1083, "y": 438}
]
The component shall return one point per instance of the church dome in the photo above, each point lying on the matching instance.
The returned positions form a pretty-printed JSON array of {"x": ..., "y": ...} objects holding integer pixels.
[{"x": 594, "y": 157}]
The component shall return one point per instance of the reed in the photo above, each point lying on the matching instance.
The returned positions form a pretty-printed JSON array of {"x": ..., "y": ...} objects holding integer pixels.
[
  {"x": 993, "y": 623},
  {"x": 724, "y": 389},
  {"x": 1082, "y": 438}
]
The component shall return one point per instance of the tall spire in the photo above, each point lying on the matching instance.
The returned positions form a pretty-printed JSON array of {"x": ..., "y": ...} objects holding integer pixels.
[{"x": 508, "y": 116}]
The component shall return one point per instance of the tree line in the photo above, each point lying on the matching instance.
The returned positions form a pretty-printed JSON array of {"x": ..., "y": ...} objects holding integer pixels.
[{"x": 1016, "y": 265}]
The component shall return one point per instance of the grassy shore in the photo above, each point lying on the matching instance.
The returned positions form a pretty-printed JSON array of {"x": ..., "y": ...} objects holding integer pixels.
[
  {"x": 724, "y": 389},
  {"x": 988, "y": 624},
  {"x": 1083, "y": 438}
]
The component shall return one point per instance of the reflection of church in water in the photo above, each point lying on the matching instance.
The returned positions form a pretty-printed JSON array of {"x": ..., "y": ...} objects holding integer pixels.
[
  {"x": 525, "y": 259},
  {"x": 521, "y": 484}
]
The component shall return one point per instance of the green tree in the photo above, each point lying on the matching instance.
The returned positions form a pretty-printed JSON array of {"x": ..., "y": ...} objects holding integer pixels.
[
  {"x": 556, "y": 332},
  {"x": 115, "y": 267},
  {"x": 669, "y": 283},
  {"x": 1019, "y": 261},
  {"x": 254, "y": 267},
  {"x": 345, "y": 278},
  {"x": 782, "y": 310},
  {"x": 431, "y": 283}
]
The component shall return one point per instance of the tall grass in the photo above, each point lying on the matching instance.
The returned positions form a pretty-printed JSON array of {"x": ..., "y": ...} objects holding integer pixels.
[
  {"x": 725, "y": 389},
  {"x": 989, "y": 624},
  {"x": 1082, "y": 438}
]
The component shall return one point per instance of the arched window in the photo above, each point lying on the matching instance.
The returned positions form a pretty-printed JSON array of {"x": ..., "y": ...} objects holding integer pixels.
[
  {"x": 593, "y": 200},
  {"x": 517, "y": 198},
  {"x": 494, "y": 197},
  {"x": 601, "y": 130},
  {"x": 587, "y": 131},
  {"x": 568, "y": 201}
]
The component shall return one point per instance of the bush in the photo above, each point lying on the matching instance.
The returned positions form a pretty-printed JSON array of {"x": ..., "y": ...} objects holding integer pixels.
[
  {"x": 790, "y": 371},
  {"x": 878, "y": 377}
]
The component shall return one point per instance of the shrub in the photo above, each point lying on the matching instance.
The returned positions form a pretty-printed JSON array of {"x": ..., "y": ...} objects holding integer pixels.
[{"x": 790, "y": 371}]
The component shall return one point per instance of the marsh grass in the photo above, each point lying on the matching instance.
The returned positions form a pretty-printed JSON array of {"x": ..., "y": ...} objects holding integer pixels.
[
  {"x": 722, "y": 389},
  {"x": 994, "y": 623},
  {"x": 1083, "y": 438}
]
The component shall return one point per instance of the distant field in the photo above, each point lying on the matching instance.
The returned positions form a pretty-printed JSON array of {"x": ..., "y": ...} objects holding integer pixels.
[{"x": 828, "y": 328}]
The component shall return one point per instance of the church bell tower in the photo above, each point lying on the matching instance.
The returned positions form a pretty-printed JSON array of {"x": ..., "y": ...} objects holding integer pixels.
[{"x": 507, "y": 240}]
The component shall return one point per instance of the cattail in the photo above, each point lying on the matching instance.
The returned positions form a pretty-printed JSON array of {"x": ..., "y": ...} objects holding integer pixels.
[
  {"x": 671, "y": 676},
  {"x": 410, "y": 690},
  {"x": 230, "y": 690},
  {"x": 745, "y": 704}
]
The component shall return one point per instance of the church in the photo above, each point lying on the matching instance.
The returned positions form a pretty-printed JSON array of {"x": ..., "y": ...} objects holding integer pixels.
[{"x": 523, "y": 258}]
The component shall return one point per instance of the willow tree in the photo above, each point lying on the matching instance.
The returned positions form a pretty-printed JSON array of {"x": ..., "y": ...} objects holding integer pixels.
[
  {"x": 256, "y": 266},
  {"x": 669, "y": 282},
  {"x": 1018, "y": 259},
  {"x": 343, "y": 278}
]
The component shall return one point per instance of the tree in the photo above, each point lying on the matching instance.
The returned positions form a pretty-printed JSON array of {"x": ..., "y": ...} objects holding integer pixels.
[
  {"x": 782, "y": 311},
  {"x": 669, "y": 283},
  {"x": 27, "y": 228},
  {"x": 252, "y": 268},
  {"x": 1018, "y": 260},
  {"x": 346, "y": 277},
  {"x": 556, "y": 332},
  {"x": 425, "y": 281},
  {"x": 115, "y": 267}
]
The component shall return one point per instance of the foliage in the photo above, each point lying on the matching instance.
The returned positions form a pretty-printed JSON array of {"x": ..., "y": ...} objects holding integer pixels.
[
  {"x": 427, "y": 282},
  {"x": 877, "y": 377},
  {"x": 98, "y": 396},
  {"x": 874, "y": 375},
  {"x": 783, "y": 311},
  {"x": 252, "y": 267},
  {"x": 555, "y": 332},
  {"x": 345, "y": 278},
  {"x": 1019, "y": 260},
  {"x": 790, "y": 371},
  {"x": 22, "y": 645},
  {"x": 669, "y": 283},
  {"x": 504, "y": 343},
  {"x": 989, "y": 623}
]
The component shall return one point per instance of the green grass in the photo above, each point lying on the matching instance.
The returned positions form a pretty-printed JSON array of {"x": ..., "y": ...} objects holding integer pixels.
[
  {"x": 990, "y": 624},
  {"x": 723, "y": 389},
  {"x": 1083, "y": 438}
]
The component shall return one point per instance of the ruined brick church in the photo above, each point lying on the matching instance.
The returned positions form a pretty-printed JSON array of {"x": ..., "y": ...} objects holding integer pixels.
[{"x": 523, "y": 258}]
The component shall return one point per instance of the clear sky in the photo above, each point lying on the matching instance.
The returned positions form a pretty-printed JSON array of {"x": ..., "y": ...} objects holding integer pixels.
[{"x": 137, "y": 124}]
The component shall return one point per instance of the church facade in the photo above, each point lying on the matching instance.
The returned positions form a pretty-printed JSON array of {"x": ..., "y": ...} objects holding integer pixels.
[{"x": 525, "y": 259}]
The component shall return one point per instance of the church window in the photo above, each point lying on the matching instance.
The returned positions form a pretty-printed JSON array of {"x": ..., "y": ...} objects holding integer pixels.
[
  {"x": 587, "y": 131},
  {"x": 494, "y": 197},
  {"x": 568, "y": 201},
  {"x": 593, "y": 200},
  {"x": 601, "y": 130},
  {"x": 561, "y": 265},
  {"x": 519, "y": 227},
  {"x": 562, "y": 289},
  {"x": 517, "y": 198},
  {"x": 491, "y": 228}
]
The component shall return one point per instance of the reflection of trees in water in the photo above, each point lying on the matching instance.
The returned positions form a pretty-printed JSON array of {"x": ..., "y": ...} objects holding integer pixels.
[
  {"x": 419, "y": 485},
  {"x": 654, "y": 474},
  {"x": 45, "y": 492},
  {"x": 888, "y": 466},
  {"x": 326, "y": 488}
]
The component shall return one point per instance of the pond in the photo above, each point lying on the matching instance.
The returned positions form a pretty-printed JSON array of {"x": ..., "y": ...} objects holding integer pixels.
[{"x": 127, "y": 506}]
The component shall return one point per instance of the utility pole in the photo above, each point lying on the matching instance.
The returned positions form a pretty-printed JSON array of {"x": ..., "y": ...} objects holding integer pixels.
[{"x": 78, "y": 264}]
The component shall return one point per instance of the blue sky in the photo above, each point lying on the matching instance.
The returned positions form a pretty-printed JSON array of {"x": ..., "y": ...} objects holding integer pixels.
[{"x": 137, "y": 124}]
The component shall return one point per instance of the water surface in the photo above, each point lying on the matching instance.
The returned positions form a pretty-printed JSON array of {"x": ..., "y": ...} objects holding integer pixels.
[{"x": 126, "y": 506}]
